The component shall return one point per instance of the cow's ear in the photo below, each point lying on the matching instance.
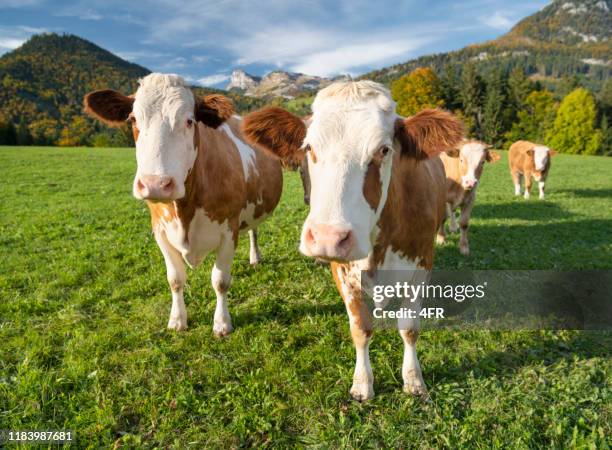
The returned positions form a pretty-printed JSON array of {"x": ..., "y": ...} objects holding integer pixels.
[
  {"x": 212, "y": 110},
  {"x": 552, "y": 152},
  {"x": 428, "y": 133},
  {"x": 277, "y": 131},
  {"x": 493, "y": 157},
  {"x": 111, "y": 107}
]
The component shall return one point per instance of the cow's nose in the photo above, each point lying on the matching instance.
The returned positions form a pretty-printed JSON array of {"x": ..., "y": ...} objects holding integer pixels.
[
  {"x": 329, "y": 242},
  {"x": 156, "y": 187},
  {"x": 469, "y": 184}
]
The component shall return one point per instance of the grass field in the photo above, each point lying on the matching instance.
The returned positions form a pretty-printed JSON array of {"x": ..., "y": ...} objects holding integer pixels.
[{"x": 84, "y": 305}]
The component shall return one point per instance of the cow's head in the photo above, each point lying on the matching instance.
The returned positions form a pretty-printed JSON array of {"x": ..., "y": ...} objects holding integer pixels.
[
  {"x": 351, "y": 141},
  {"x": 472, "y": 157},
  {"x": 540, "y": 155},
  {"x": 164, "y": 115}
]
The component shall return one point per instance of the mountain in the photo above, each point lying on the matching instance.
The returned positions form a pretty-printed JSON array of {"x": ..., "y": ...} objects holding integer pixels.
[
  {"x": 242, "y": 81},
  {"x": 566, "y": 38},
  {"x": 43, "y": 83},
  {"x": 276, "y": 84}
]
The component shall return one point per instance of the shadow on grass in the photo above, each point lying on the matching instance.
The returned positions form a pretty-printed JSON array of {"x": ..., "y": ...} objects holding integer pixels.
[
  {"x": 588, "y": 193},
  {"x": 546, "y": 349},
  {"x": 520, "y": 208}
]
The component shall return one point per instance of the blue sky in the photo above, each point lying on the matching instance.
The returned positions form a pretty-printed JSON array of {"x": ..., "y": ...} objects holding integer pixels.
[{"x": 204, "y": 40}]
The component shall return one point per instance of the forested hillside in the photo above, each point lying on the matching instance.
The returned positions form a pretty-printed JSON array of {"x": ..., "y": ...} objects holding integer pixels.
[
  {"x": 43, "y": 84},
  {"x": 565, "y": 39}
]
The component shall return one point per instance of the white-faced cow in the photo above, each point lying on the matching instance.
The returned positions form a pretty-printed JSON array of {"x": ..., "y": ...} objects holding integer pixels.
[
  {"x": 529, "y": 160},
  {"x": 203, "y": 184},
  {"x": 463, "y": 167},
  {"x": 376, "y": 200}
]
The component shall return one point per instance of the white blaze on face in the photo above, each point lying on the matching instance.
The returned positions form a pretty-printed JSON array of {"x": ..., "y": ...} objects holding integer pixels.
[
  {"x": 540, "y": 156},
  {"x": 472, "y": 157},
  {"x": 349, "y": 125},
  {"x": 165, "y": 146}
]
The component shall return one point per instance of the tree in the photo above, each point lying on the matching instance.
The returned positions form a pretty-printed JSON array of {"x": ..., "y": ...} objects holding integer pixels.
[
  {"x": 8, "y": 134},
  {"x": 471, "y": 93},
  {"x": 606, "y": 133},
  {"x": 449, "y": 83},
  {"x": 23, "y": 134},
  {"x": 574, "y": 127},
  {"x": 45, "y": 131},
  {"x": 519, "y": 87},
  {"x": 77, "y": 133},
  {"x": 535, "y": 119},
  {"x": 416, "y": 91},
  {"x": 493, "y": 114}
]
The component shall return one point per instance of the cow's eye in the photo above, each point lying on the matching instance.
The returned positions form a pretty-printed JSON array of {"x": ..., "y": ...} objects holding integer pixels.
[
  {"x": 189, "y": 123},
  {"x": 384, "y": 151},
  {"x": 131, "y": 119}
]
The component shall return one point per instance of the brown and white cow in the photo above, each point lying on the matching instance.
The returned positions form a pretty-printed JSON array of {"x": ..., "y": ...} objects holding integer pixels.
[
  {"x": 529, "y": 160},
  {"x": 202, "y": 182},
  {"x": 376, "y": 201},
  {"x": 463, "y": 168}
]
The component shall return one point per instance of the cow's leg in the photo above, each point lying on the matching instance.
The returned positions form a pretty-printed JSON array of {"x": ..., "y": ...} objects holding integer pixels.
[
  {"x": 541, "y": 187},
  {"x": 441, "y": 236},
  {"x": 411, "y": 369},
  {"x": 175, "y": 272},
  {"x": 516, "y": 178},
  {"x": 453, "y": 227},
  {"x": 221, "y": 280},
  {"x": 527, "y": 184},
  {"x": 254, "y": 255},
  {"x": 360, "y": 321},
  {"x": 464, "y": 223}
]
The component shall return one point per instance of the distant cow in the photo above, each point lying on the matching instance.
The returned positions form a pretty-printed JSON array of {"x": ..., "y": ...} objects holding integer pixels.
[
  {"x": 203, "y": 184},
  {"x": 376, "y": 201},
  {"x": 529, "y": 160},
  {"x": 463, "y": 169}
]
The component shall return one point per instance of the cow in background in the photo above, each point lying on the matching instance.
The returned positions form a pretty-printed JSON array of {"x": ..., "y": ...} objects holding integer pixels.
[
  {"x": 376, "y": 201},
  {"x": 529, "y": 160},
  {"x": 202, "y": 183},
  {"x": 463, "y": 168}
]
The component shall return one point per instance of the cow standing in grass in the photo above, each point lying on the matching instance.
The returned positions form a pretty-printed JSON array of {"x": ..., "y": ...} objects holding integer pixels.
[
  {"x": 377, "y": 197},
  {"x": 529, "y": 160},
  {"x": 463, "y": 168},
  {"x": 203, "y": 184}
]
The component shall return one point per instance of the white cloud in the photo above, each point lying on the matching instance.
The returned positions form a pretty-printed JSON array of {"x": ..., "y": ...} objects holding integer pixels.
[
  {"x": 498, "y": 20},
  {"x": 80, "y": 13},
  {"x": 212, "y": 80},
  {"x": 323, "y": 52},
  {"x": 10, "y": 43}
]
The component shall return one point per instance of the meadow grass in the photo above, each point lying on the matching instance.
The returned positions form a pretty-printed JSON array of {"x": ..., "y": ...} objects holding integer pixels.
[{"x": 84, "y": 305}]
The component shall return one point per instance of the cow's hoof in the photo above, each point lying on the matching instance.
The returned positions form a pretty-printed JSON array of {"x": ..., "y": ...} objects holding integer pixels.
[
  {"x": 254, "y": 259},
  {"x": 177, "y": 324},
  {"x": 362, "y": 391},
  {"x": 453, "y": 229},
  {"x": 440, "y": 240},
  {"x": 417, "y": 389},
  {"x": 465, "y": 251},
  {"x": 222, "y": 329}
]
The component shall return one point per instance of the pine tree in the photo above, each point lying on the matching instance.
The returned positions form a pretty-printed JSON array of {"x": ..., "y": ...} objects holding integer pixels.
[
  {"x": 519, "y": 87},
  {"x": 493, "y": 120},
  {"x": 471, "y": 93},
  {"x": 574, "y": 128},
  {"x": 449, "y": 83}
]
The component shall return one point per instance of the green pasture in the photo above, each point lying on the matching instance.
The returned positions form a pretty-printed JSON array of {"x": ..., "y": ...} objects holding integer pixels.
[{"x": 84, "y": 305}]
